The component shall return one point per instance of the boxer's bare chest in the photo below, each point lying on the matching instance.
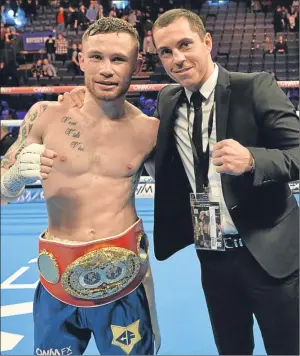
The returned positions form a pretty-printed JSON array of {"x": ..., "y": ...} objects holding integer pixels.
[{"x": 103, "y": 148}]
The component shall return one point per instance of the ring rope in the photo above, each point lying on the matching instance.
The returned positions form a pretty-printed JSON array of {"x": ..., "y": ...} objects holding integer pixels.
[{"x": 132, "y": 89}]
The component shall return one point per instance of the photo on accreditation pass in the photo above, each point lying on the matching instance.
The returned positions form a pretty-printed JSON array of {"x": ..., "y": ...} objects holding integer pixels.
[{"x": 207, "y": 226}]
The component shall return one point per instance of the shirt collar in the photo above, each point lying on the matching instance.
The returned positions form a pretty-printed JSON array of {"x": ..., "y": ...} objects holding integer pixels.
[{"x": 208, "y": 87}]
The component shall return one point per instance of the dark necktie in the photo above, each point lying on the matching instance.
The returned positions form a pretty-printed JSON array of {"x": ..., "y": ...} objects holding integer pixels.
[{"x": 197, "y": 100}]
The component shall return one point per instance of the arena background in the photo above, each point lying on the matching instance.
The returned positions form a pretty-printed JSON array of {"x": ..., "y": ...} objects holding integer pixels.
[{"x": 239, "y": 30}]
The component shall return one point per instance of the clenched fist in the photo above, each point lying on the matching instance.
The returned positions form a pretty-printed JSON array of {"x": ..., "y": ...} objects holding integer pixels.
[
  {"x": 230, "y": 157},
  {"x": 34, "y": 162}
]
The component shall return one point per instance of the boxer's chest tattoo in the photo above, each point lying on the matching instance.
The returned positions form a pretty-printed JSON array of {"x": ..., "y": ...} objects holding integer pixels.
[{"x": 71, "y": 130}]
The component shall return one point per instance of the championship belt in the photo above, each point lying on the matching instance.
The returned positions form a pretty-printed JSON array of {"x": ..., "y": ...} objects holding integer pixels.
[{"x": 94, "y": 273}]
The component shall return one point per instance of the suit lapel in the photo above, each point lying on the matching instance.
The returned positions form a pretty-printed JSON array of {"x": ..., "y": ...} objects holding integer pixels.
[
  {"x": 169, "y": 114},
  {"x": 222, "y": 97}
]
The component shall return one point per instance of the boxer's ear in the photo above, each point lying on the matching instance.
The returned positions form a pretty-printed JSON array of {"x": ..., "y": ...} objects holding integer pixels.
[
  {"x": 81, "y": 61},
  {"x": 138, "y": 66}
]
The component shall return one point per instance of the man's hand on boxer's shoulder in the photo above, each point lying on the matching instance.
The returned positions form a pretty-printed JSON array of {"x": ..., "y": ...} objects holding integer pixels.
[
  {"x": 74, "y": 99},
  {"x": 230, "y": 157}
]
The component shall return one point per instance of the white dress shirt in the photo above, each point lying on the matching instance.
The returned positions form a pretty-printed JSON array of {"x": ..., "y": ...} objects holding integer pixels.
[{"x": 185, "y": 150}]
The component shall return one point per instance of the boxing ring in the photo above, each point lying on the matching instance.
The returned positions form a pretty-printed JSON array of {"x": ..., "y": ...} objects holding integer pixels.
[{"x": 183, "y": 316}]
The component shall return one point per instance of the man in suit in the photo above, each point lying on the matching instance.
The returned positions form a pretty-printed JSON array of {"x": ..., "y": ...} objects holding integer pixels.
[{"x": 250, "y": 132}]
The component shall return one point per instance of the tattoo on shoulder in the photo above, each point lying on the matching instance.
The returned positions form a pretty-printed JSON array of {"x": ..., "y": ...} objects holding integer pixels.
[
  {"x": 32, "y": 115},
  {"x": 44, "y": 108},
  {"x": 25, "y": 128},
  {"x": 33, "y": 112}
]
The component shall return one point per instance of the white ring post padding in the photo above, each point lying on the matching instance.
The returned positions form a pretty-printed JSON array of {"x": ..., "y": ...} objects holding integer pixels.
[{"x": 11, "y": 123}]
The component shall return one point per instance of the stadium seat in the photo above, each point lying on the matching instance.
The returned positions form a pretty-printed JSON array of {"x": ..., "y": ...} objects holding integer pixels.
[
  {"x": 269, "y": 58},
  {"x": 292, "y": 57},
  {"x": 258, "y": 56},
  {"x": 78, "y": 80},
  {"x": 244, "y": 68},
  {"x": 44, "y": 81},
  {"x": 67, "y": 80},
  {"x": 222, "y": 60},
  {"x": 232, "y": 67},
  {"x": 280, "y": 58},
  {"x": 257, "y": 67},
  {"x": 281, "y": 76},
  {"x": 59, "y": 64},
  {"x": 55, "y": 81},
  {"x": 245, "y": 51},
  {"x": 236, "y": 44},
  {"x": 269, "y": 67},
  {"x": 293, "y": 65},
  {"x": 32, "y": 82},
  {"x": 62, "y": 72}
]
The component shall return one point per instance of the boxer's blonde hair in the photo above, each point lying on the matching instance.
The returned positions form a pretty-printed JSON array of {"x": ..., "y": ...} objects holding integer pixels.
[
  {"x": 111, "y": 25},
  {"x": 171, "y": 16}
]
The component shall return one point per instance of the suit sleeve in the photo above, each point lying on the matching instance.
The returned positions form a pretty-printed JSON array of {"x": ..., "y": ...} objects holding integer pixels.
[
  {"x": 156, "y": 112},
  {"x": 150, "y": 162},
  {"x": 278, "y": 160}
]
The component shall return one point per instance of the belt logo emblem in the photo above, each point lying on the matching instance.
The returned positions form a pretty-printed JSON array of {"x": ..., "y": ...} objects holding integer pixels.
[
  {"x": 126, "y": 337},
  {"x": 92, "y": 278},
  {"x": 101, "y": 273}
]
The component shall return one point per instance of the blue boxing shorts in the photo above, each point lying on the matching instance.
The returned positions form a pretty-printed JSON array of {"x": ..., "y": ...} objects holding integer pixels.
[
  {"x": 103, "y": 287},
  {"x": 119, "y": 328}
]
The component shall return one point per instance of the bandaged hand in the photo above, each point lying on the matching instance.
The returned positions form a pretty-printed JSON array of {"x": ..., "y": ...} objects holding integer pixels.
[
  {"x": 34, "y": 162},
  {"x": 74, "y": 99}
]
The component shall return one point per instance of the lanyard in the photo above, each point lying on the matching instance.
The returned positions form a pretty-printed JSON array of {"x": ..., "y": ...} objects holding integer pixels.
[{"x": 201, "y": 163}]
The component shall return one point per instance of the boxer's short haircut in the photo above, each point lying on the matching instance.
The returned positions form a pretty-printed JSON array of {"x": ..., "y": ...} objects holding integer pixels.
[
  {"x": 111, "y": 25},
  {"x": 171, "y": 16}
]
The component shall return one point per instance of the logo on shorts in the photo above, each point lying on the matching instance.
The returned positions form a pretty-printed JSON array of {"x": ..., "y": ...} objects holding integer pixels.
[
  {"x": 126, "y": 337},
  {"x": 64, "y": 351}
]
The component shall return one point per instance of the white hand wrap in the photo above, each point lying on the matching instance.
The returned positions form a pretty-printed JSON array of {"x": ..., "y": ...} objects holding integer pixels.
[{"x": 26, "y": 170}]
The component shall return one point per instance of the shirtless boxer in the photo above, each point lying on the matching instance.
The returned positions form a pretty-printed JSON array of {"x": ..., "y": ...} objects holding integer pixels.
[{"x": 93, "y": 258}]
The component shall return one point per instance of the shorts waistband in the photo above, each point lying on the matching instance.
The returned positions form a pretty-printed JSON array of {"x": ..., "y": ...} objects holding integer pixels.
[{"x": 97, "y": 272}]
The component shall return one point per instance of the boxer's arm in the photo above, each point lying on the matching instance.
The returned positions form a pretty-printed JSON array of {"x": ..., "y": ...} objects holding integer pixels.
[{"x": 30, "y": 132}]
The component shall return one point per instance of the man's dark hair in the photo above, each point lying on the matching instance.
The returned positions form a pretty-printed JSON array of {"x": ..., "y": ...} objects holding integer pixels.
[{"x": 171, "y": 16}]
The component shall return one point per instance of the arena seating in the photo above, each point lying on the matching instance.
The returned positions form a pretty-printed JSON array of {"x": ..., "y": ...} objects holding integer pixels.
[{"x": 236, "y": 34}]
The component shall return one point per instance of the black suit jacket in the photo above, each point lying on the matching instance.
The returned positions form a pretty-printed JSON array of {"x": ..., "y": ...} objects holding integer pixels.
[{"x": 253, "y": 110}]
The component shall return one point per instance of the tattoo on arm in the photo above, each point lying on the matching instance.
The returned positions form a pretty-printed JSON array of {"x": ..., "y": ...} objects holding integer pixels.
[
  {"x": 32, "y": 115},
  {"x": 43, "y": 108},
  {"x": 13, "y": 152}
]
